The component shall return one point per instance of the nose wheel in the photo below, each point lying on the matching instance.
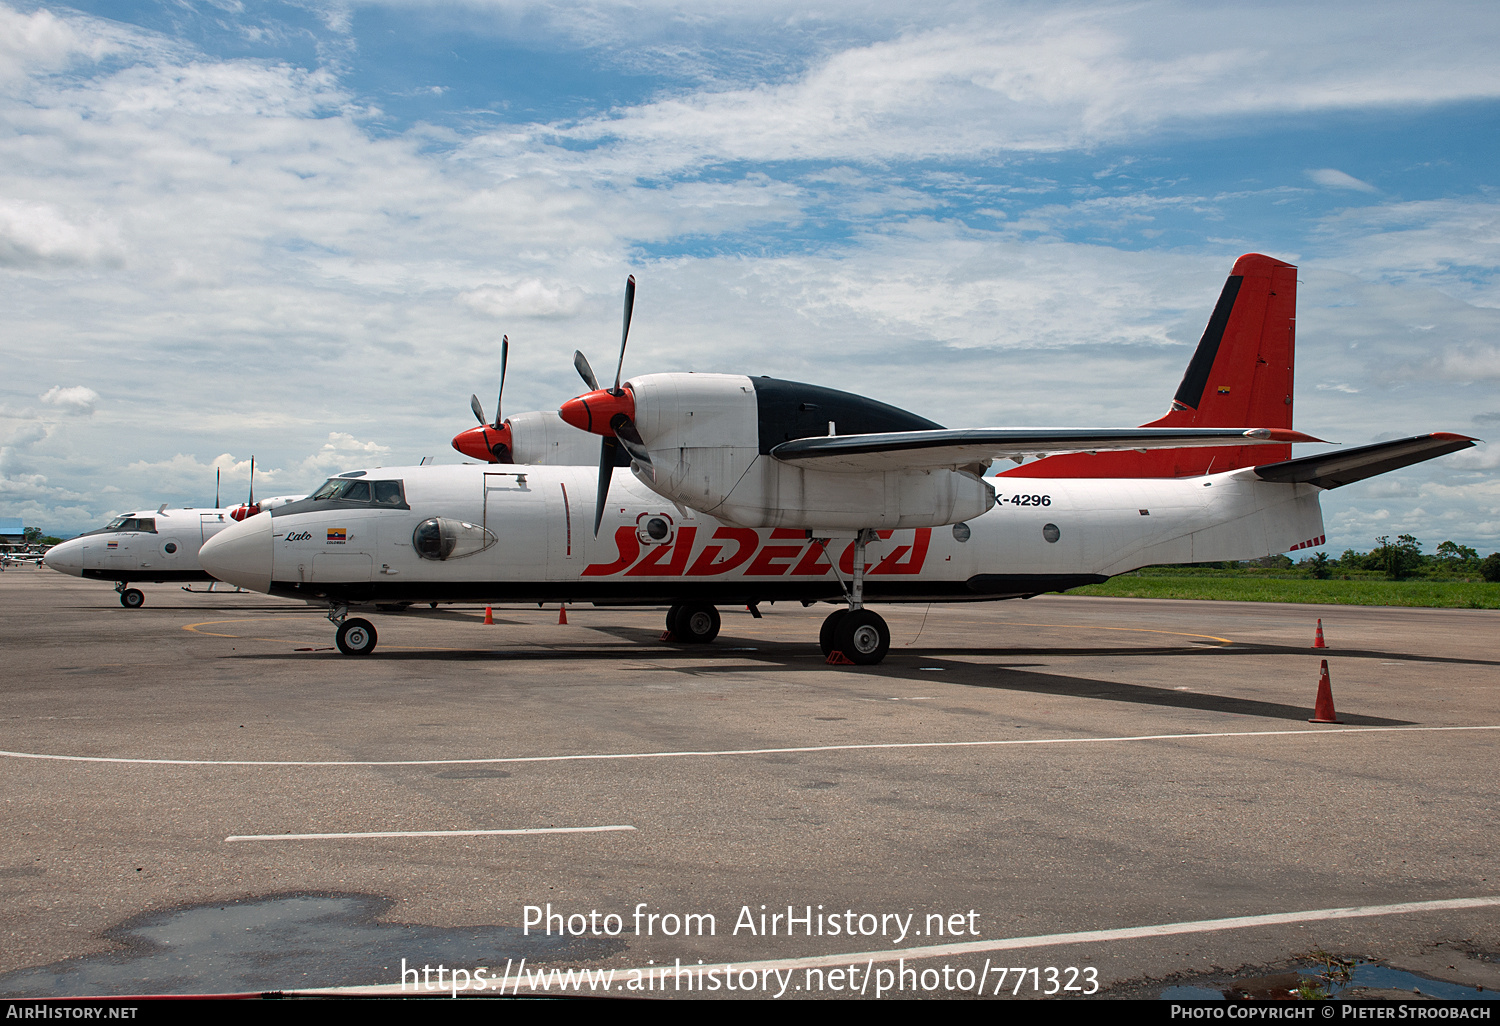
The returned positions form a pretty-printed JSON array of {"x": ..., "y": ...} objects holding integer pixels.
[
  {"x": 130, "y": 598},
  {"x": 356, "y": 637}
]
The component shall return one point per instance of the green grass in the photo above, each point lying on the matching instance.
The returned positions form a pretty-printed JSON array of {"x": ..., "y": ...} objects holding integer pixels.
[{"x": 1237, "y": 586}]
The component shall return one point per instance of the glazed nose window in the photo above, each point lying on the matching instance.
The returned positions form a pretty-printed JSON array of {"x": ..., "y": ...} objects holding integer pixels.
[{"x": 440, "y": 538}]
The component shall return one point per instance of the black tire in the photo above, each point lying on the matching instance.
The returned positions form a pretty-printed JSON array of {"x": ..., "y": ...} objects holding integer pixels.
[
  {"x": 132, "y": 598},
  {"x": 863, "y": 637},
  {"x": 828, "y": 635},
  {"x": 356, "y": 637},
  {"x": 672, "y": 615},
  {"x": 697, "y": 623}
]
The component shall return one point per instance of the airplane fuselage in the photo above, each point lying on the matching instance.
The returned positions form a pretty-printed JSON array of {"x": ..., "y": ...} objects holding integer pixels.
[
  {"x": 156, "y": 545},
  {"x": 525, "y": 534}
]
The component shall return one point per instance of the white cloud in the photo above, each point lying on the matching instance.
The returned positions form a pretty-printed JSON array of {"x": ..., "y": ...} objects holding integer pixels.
[
  {"x": 529, "y": 298},
  {"x": 34, "y": 234},
  {"x": 73, "y": 399},
  {"x": 1335, "y": 179}
]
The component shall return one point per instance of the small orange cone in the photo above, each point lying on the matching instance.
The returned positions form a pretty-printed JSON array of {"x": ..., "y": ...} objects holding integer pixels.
[
  {"x": 1323, "y": 711},
  {"x": 562, "y": 614},
  {"x": 489, "y": 616},
  {"x": 1318, "y": 637}
]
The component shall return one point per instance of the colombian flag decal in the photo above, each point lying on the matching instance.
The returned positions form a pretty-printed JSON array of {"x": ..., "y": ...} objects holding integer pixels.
[
  {"x": 111, "y": 545},
  {"x": 336, "y": 536}
]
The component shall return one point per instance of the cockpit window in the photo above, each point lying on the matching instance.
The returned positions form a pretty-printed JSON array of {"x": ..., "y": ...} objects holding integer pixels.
[
  {"x": 132, "y": 524},
  {"x": 378, "y": 493}
]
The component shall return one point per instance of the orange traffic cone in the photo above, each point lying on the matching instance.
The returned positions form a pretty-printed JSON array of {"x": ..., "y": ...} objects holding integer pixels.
[
  {"x": 1323, "y": 711},
  {"x": 562, "y": 614},
  {"x": 489, "y": 616},
  {"x": 1318, "y": 637}
]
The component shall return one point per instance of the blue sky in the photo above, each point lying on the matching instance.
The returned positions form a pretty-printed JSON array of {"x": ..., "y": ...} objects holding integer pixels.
[{"x": 299, "y": 229}]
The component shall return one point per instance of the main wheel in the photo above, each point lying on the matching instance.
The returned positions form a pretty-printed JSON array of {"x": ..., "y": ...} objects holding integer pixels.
[
  {"x": 829, "y": 632},
  {"x": 697, "y": 623},
  {"x": 672, "y": 615},
  {"x": 863, "y": 637},
  {"x": 132, "y": 598},
  {"x": 356, "y": 637}
]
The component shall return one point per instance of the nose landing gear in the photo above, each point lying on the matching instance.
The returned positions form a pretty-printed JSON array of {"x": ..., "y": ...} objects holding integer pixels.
[
  {"x": 130, "y": 598},
  {"x": 355, "y": 637}
]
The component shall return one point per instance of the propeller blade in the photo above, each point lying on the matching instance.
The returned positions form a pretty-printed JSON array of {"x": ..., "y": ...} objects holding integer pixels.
[
  {"x": 625, "y": 430},
  {"x": 217, "y": 472},
  {"x": 251, "y": 500},
  {"x": 606, "y": 471},
  {"x": 581, "y": 364},
  {"x": 478, "y": 410},
  {"x": 625, "y": 331},
  {"x": 504, "y": 357}
]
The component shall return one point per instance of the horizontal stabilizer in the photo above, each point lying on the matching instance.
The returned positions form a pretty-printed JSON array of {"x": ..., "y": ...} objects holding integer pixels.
[
  {"x": 928, "y": 450},
  {"x": 1332, "y": 469}
]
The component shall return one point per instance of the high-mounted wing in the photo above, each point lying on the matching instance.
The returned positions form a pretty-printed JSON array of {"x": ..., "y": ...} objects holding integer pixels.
[
  {"x": 1332, "y": 469},
  {"x": 930, "y": 450}
]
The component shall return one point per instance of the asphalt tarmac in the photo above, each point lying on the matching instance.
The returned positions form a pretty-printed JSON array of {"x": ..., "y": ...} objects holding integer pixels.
[{"x": 1013, "y": 770}]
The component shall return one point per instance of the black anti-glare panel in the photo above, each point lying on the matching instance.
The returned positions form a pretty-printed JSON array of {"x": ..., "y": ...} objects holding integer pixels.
[{"x": 791, "y": 409}]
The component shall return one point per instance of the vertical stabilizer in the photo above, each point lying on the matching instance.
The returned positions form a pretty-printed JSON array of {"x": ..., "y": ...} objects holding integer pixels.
[{"x": 1240, "y": 376}]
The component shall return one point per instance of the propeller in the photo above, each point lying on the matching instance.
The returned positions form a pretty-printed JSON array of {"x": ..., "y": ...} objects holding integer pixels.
[
  {"x": 217, "y": 472},
  {"x": 251, "y": 501},
  {"x": 500, "y": 449},
  {"x": 622, "y": 431}
]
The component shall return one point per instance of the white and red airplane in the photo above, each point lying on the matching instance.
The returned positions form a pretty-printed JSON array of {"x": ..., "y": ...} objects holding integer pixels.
[
  {"x": 747, "y": 490},
  {"x": 158, "y": 545}
]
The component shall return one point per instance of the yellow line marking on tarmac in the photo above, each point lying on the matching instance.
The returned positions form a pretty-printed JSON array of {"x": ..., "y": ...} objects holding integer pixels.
[{"x": 710, "y": 753}]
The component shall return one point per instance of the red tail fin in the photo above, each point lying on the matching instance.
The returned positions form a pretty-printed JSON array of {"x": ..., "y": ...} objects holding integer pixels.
[{"x": 1240, "y": 376}]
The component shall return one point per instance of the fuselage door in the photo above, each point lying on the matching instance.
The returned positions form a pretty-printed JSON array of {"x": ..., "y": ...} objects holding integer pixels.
[{"x": 519, "y": 511}]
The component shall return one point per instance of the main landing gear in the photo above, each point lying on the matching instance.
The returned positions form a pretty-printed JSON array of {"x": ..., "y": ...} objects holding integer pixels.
[
  {"x": 696, "y": 623},
  {"x": 857, "y": 634},
  {"x": 355, "y": 637},
  {"x": 130, "y": 598}
]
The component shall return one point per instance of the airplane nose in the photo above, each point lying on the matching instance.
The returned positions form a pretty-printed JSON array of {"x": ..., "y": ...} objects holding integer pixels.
[
  {"x": 241, "y": 553},
  {"x": 66, "y": 558}
]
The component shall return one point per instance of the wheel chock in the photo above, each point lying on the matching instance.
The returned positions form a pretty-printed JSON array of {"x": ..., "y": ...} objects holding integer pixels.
[
  {"x": 667, "y": 636},
  {"x": 1323, "y": 711},
  {"x": 837, "y": 658}
]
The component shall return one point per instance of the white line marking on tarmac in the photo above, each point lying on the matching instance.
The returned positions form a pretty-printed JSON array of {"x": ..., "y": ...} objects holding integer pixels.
[
  {"x": 712, "y": 753},
  {"x": 1046, "y": 940},
  {"x": 425, "y": 833}
]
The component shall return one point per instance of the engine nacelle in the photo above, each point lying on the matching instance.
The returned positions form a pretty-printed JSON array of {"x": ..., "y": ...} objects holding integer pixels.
[
  {"x": 709, "y": 436},
  {"x": 539, "y": 438}
]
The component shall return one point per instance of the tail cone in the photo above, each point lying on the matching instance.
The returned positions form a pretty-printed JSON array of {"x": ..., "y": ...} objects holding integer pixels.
[
  {"x": 489, "y": 615},
  {"x": 1318, "y": 637},
  {"x": 1323, "y": 711}
]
